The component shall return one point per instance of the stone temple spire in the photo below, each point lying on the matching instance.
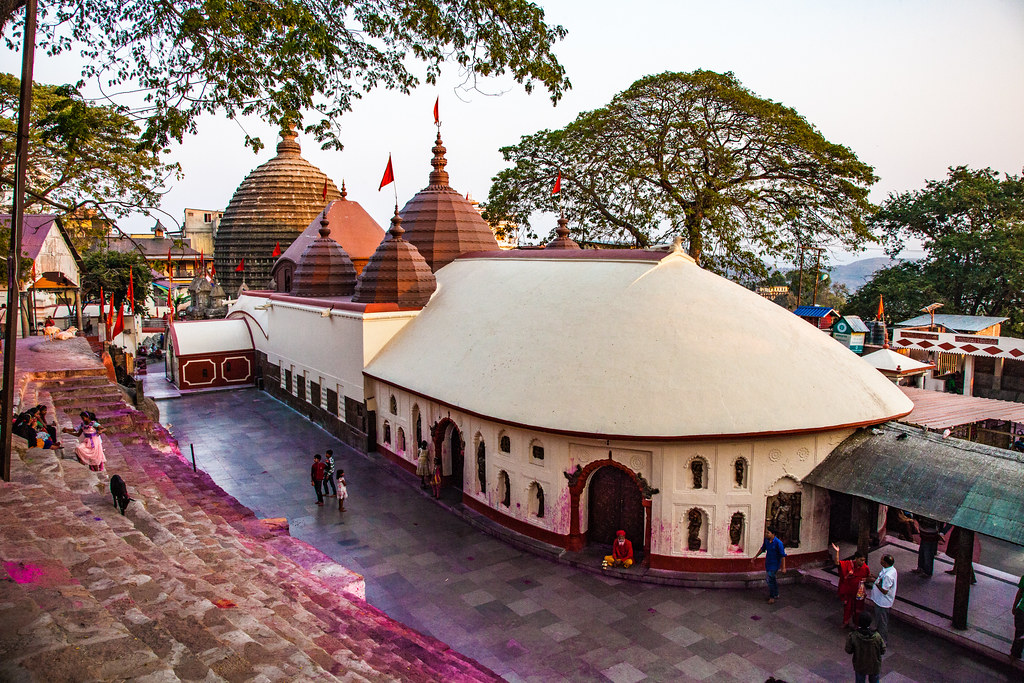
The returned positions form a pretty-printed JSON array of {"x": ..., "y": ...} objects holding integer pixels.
[
  {"x": 396, "y": 273},
  {"x": 440, "y": 222},
  {"x": 324, "y": 269},
  {"x": 562, "y": 241}
]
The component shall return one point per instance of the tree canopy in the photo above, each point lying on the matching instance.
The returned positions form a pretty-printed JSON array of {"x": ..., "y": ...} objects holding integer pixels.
[
  {"x": 971, "y": 225},
  {"x": 109, "y": 270},
  {"x": 696, "y": 154},
  {"x": 83, "y": 158},
  {"x": 281, "y": 60}
]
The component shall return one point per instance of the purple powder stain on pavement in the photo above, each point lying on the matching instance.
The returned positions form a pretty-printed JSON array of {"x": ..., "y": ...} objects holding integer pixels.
[
  {"x": 755, "y": 617},
  {"x": 39, "y": 574},
  {"x": 652, "y": 610},
  {"x": 98, "y": 519}
]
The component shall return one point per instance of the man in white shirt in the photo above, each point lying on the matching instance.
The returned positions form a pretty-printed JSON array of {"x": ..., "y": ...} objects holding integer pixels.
[{"x": 883, "y": 594}]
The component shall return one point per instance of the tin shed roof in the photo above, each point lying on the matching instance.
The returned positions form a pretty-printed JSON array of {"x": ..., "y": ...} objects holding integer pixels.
[
  {"x": 813, "y": 311},
  {"x": 968, "y": 484},
  {"x": 955, "y": 323}
]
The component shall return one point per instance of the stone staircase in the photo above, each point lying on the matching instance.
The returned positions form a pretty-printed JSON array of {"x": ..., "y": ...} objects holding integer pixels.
[{"x": 188, "y": 585}]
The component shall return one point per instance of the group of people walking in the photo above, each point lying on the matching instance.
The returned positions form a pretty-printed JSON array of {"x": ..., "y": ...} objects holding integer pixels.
[
  {"x": 322, "y": 475},
  {"x": 34, "y": 427},
  {"x": 428, "y": 470}
]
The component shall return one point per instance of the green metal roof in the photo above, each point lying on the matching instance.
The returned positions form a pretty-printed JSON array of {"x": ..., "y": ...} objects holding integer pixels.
[{"x": 964, "y": 483}]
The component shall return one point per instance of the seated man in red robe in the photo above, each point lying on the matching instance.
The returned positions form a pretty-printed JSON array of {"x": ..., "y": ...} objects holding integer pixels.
[{"x": 622, "y": 552}]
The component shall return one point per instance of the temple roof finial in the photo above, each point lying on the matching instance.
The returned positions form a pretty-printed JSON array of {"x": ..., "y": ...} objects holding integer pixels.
[{"x": 439, "y": 176}]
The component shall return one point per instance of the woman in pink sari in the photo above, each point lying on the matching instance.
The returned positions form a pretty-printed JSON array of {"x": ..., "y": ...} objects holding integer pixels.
[{"x": 90, "y": 449}]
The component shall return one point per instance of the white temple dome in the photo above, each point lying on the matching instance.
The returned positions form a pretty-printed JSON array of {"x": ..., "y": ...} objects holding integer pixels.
[{"x": 627, "y": 344}]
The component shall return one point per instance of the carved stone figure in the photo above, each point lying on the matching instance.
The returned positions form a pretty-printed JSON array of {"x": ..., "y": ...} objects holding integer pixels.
[
  {"x": 736, "y": 528},
  {"x": 695, "y": 521},
  {"x": 784, "y": 516},
  {"x": 741, "y": 472},
  {"x": 697, "y": 468},
  {"x": 540, "y": 501}
]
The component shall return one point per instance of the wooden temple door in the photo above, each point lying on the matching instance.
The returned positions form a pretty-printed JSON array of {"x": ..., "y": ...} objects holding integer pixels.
[
  {"x": 455, "y": 447},
  {"x": 615, "y": 502}
]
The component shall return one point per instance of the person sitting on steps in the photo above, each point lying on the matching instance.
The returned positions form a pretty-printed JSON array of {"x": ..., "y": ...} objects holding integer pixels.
[{"x": 622, "y": 552}]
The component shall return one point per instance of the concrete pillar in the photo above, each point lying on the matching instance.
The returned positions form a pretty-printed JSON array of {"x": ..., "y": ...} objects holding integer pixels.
[
  {"x": 968, "y": 375},
  {"x": 862, "y": 518},
  {"x": 997, "y": 375}
]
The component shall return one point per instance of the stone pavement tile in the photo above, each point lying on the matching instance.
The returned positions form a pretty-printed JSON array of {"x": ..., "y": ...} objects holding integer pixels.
[
  {"x": 894, "y": 677},
  {"x": 697, "y": 667},
  {"x": 524, "y": 606},
  {"x": 672, "y": 608},
  {"x": 560, "y": 631},
  {"x": 624, "y": 672},
  {"x": 774, "y": 642},
  {"x": 795, "y": 672},
  {"x": 740, "y": 667},
  {"x": 683, "y": 636},
  {"x": 477, "y": 597},
  {"x": 837, "y": 669}
]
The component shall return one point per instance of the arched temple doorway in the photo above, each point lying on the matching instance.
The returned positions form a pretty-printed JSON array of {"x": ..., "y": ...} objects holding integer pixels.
[
  {"x": 615, "y": 502},
  {"x": 449, "y": 443}
]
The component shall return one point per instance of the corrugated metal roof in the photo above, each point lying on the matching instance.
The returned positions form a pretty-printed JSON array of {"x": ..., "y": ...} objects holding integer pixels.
[
  {"x": 856, "y": 324},
  {"x": 939, "y": 410},
  {"x": 968, "y": 484},
  {"x": 813, "y": 311},
  {"x": 956, "y": 323}
]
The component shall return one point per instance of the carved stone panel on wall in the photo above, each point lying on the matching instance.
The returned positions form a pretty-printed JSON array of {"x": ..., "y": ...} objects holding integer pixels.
[{"x": 783, "y": 514}]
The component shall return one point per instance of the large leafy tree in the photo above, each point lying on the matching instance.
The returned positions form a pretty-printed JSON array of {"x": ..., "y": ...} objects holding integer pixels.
[
  {"x": 281, "y": 60},
  {"x": 697, "y": 154},
  {"x": 971, "y": 225},
  {"x": 84, "y": 159},
  {"x": 112, "y": 271}
]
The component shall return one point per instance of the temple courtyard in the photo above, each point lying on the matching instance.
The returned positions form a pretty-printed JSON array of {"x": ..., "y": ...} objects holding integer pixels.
[{"x": 519, "y": 614}]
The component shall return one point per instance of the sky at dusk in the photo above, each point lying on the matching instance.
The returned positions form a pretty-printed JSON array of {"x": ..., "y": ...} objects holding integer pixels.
[{"x": 911, "y": 86}]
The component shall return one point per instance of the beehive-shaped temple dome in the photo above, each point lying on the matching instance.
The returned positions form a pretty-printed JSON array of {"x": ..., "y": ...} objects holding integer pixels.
[
  {"x": 324, "y": 269},
  {"x": 396, "y": 273},
  {"x": 440, "y": 222},
  {"x": 274, "y": 204}
]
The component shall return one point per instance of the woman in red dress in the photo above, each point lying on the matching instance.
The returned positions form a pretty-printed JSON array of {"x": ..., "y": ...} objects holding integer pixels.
[{"x": 852, "y": 574}]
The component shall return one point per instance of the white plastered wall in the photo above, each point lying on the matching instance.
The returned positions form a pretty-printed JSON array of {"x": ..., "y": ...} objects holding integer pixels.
[{"x": 771, "y": 465}]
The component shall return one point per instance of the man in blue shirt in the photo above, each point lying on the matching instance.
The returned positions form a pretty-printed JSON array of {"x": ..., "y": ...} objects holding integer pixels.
[{"x": 774, "y": 561}]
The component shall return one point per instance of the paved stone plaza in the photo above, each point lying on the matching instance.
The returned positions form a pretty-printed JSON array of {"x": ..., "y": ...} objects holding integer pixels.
[{"x": 523, "y": 616}]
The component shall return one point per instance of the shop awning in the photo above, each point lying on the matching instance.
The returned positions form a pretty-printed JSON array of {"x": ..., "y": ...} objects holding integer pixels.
[{"x": 967, "y": 484}]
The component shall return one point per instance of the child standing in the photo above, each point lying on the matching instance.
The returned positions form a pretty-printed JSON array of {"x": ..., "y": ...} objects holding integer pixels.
[
  {"x": 435, "y": 478},
  {"x": 342, "y": 490},
  {"x": 329, "y": 481}
]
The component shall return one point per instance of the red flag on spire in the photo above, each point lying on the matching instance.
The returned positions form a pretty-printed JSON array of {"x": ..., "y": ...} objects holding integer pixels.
[
  {"x": 240, "y": 268},
  {"x": 119, "y": 325},
  {"x": 277, "y": 250},
  {"x": 881, "y": 308},
  {"x": 437, "y": 118},
  {"x": 389, "y": 176},
  {"x": 558, "y": 184},
  {"x": 325, "y": 189},
  {"x": 131, "y": 289}
]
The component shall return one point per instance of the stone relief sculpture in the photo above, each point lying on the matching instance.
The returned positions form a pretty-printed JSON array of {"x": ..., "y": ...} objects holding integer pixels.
[
  {"x": 741, "y": 472},
  {"x": 697, "y": 469},
  {"x": 736, "y": 528},
  {"x": 784, "y": 516},
  {"x": 696, "y": 519}
]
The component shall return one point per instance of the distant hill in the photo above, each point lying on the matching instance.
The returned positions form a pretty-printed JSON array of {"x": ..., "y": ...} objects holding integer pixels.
[{"x": 855, "y": 274}]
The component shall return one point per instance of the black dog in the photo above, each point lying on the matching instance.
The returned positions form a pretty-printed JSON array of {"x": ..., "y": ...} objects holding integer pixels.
[{"x": 119, "y": 491}]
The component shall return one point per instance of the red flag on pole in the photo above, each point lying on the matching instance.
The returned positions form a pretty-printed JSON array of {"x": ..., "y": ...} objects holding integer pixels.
[
  {"x": 389, "y": 176},
  {"x": 437, "y": 118},
  {"x": 213, "y": 270},
  {"x": 102, "y": 303},
  {"x": 277, "y": 250},
  {"x": 881, "y": 308},
  {"x": 558, "y": 184},
  {"x": 170, "y": 303},
  {"x": 170, "y": 263},
  {"x": 202, "y": 260},
  {"x": 119, "y": 325},
  {"x": 240, "y": 268},
  {"x": 110, "y": 314},
  {"x": 131, "y": 290},
  {"x": 325, "y": 189}
]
